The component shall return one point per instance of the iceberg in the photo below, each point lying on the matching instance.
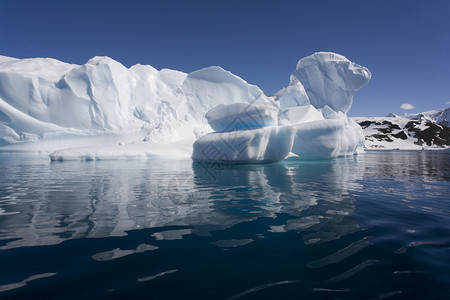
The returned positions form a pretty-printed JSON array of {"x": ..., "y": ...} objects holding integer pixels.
[{"x": 102, "y": 110}]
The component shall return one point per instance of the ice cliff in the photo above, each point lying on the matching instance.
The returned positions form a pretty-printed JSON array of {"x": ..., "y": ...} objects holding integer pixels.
[{"x": 49, "y": 105}]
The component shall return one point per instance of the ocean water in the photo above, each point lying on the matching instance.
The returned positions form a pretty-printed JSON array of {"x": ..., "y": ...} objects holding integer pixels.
[{"x": 372, "y": 226}]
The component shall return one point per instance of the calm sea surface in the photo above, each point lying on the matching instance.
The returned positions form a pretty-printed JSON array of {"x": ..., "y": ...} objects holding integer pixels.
[{"x": 373, "y": 226}]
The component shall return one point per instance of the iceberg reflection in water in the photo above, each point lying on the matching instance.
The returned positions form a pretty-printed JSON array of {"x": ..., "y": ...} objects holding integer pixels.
[
  {"x": 49, "y": 203},
  {"x": 293, "y": 229}
]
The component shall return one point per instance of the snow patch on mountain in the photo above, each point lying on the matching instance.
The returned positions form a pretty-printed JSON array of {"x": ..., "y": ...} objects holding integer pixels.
[
  {"x": 428, "y": 130},
  {"x": 441, "y": 117}
]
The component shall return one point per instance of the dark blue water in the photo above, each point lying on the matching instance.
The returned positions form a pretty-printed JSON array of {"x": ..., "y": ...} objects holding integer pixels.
[{"x": 373, "y": 226}]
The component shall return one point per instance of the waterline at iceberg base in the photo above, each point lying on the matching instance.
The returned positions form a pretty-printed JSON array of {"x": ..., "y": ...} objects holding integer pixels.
[{"x": 103, "y": 110}]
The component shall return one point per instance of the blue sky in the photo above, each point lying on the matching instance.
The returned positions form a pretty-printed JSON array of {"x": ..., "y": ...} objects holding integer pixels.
[{"x": 405, "y": 44}]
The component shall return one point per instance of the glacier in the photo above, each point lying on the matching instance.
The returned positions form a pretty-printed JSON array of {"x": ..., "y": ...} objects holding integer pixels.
[{"x": 103, "y": 110}]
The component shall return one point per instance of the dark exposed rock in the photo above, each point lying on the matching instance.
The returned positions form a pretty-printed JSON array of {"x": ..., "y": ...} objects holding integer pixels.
[
  {"x": 383, "y": 137},
  {"x": 365, "y": 124},
  {"x": 434, "y": 134},
  {"x": 385, "y": 130},
  {"x": 391, "y": 125},
  {"x": 411, "y": 125},
  {"x": 401, "y": 135},
  {"x": 421, "y": 131}
]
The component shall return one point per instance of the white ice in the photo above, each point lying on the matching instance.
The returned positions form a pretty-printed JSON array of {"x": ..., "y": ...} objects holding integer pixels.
[
  {"x": 241, "y": 116},
  {"x": 330, "y": 79},
  {"x": 268, "y": 144},
  {"x": 47, "y": 105},
  {"x": 300, "y": 114},
  {"x": 328, "y": 138},
  {"x": 315, "y": 103}
]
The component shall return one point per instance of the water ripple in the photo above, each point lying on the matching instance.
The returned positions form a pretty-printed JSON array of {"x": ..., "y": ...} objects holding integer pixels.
[
  {"x": 352, "y": 271},
  {"x": 16, "y": 285},
  {"x": 341, "y": 254},
  {"x": 171, "y": 234},
  {"x": 231, "y": 243},
  {"x": 118, "y": 253},
  {"x": 262, "y": 287},
  {"x": 148, "y": 278},
  {"x": 389, "y": 294}
]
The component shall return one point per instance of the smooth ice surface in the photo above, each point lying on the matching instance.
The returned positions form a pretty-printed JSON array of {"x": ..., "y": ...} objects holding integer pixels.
[
  {"x": 143, "y": 150},
  {"x": 87, "y": 111},
  {"x": 328, "y": 138},
  {"x": 241, "y": 116},
  {"x": 300, "y": 114},
  {"x": 291, "y": 96},
  {"x": 330, "y": 79},
  {"x": 268, "y": 144}
]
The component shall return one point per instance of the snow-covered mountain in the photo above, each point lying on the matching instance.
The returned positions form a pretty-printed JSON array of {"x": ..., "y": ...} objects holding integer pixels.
[
  {"x": 427, "y": 130},
  {"x": 441, "y": 117}
]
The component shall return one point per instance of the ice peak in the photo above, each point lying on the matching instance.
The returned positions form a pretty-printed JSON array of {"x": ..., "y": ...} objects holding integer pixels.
[
  {"x": 320, "y": 58},
  {"x": 391, "y": 115},
  {"x": 215, "y": 74},
  {"x": 96, "y": 60},
  {"x": 330, "y": 79},
  {"x": 6, "y": 59}
]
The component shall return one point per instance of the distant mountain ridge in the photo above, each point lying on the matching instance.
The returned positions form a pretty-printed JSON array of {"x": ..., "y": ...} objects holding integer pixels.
[
  {"x": 426, "y": 130},
  {"x": 441, "y": 117}
]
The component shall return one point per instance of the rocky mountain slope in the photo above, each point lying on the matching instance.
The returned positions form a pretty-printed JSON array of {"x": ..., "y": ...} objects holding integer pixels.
[{"x": 427, "y": 130}]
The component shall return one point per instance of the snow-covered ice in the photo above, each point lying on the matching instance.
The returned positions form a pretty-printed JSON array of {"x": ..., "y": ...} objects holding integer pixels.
[
  {"x": 86, "y": 111},
  {"x": 179, "y": 149},
  {"x": 42, "y": 97}
]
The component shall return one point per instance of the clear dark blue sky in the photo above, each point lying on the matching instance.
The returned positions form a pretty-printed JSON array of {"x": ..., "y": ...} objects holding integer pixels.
[{"x": 406, "y": 44}]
